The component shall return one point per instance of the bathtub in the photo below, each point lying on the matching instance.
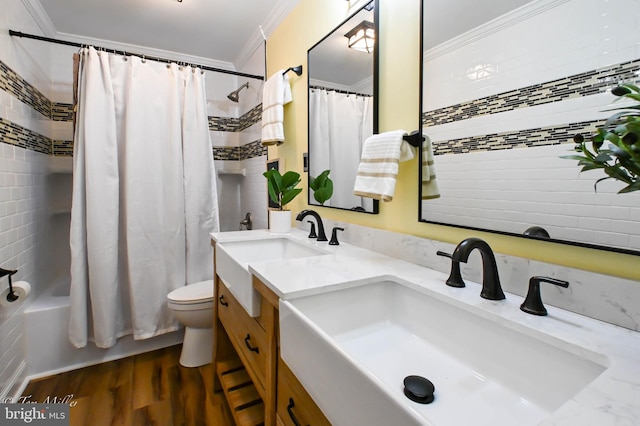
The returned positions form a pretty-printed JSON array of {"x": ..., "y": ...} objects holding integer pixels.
[{"x": 47, "y": 343}]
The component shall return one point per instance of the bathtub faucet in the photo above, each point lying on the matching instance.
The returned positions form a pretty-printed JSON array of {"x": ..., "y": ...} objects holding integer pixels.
[{"x": 247, "y": 222}]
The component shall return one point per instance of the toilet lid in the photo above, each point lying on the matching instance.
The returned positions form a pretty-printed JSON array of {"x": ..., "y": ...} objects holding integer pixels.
[{"x": 192, "y": 293}]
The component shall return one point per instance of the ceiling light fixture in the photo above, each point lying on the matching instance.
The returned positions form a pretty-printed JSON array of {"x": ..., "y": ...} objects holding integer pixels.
[{"x": 362, "y": 37}]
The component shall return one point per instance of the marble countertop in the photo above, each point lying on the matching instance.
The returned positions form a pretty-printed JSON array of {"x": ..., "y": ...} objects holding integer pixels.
[{"x": 613, "y": 398}]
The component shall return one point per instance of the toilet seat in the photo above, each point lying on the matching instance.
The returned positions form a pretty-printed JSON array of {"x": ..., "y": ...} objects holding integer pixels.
[{"x": 200, "y": 293}]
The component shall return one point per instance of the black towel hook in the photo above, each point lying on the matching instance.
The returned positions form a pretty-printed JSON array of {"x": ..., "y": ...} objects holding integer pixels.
[
  {"x": 297, "y": 70},
  {"x": 414, "y": 138}
]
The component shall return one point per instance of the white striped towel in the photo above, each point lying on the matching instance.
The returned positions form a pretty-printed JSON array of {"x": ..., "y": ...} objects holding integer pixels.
[
  {"x": 275, "y": 94},
  {"x": 378, "y": 167},
  {"x": 430, "y": 188}
]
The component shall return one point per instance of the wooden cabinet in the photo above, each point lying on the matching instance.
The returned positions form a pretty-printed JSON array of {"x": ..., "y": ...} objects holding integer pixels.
[
  {"x": 258, "y": 386},
  {"x": 294, "y": 406},
  {"x": 244, "y": 355},
  {"x": 248, "y": 337}
]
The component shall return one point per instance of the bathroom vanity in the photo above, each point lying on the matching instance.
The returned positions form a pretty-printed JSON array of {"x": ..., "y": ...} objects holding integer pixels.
[
  {"x": 326, "y": 335},
  {"x": 257, "y": 384}
]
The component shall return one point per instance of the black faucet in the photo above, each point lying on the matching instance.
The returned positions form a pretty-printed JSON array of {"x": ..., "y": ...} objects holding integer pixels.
[
  {"x": 305, "y": 213},
  {"x": 491, "y": 288},
  {"x": 533, "y": 302},
  {"x": 334, "y": 236},
  {"x": 455, "y": 277},
  {"x": 312, "y": 231}
]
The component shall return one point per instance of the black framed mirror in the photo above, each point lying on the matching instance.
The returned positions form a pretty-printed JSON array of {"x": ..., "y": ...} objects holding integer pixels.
[
  {"x": 505, "y": 87},
  {"x": 343, "y": 105}
]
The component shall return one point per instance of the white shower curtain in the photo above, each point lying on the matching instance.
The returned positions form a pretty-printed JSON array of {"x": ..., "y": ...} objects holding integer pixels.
[
  {"x": 144, "y": 195},
  {"x": 337, "y": 132}
]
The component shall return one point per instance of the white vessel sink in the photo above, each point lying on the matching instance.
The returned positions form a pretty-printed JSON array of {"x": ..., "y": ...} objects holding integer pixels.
[
  {"x": 233, "y": 259},
  {"x": 352, "y": 348}
]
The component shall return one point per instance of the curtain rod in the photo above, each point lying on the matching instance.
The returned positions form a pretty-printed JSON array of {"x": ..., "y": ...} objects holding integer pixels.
[
  {"x": 125, "y": 53},
  {"x": 346, "y": 92}
]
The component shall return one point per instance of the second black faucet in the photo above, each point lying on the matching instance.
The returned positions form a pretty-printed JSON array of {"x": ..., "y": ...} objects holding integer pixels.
[
  {"x": 491, "y": 288},
  {"x": 304, "y": 213}
]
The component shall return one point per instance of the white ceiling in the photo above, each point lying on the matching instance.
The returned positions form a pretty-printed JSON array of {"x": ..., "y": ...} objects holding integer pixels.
[{"x": 223, "y": 31}]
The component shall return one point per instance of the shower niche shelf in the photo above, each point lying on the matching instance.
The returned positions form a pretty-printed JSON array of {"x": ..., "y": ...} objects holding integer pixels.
[
  {"x": 61, "y": 165},
  {"x": 231, "y": 171}
]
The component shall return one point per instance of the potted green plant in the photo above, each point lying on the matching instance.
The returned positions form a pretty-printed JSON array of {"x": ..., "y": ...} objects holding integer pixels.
[
  {"x": 620, "y": 158},
  {"x": 322, "y": 187},
  {"x": 282, "y": 189}
]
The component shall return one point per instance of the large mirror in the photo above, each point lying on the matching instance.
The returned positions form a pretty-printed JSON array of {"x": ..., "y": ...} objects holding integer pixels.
[
  {"x": 342, "y": 106},
  {"x": 506, "y": 84}
]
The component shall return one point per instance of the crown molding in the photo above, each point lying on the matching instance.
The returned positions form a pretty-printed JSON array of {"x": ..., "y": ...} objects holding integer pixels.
[
  {"x": 518, "y": 15},
  {"x": 279, "y": 13},
  {"x": 151, "y": 52},
  {"x": 37, "y": 12}
]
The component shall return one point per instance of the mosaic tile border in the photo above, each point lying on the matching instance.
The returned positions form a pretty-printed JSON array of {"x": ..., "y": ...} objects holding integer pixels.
[
  {"x": 251, "y": 117},
  {"x": 583, "y": 84},
  {"x": 17, "y": 135},
  {"x": 245, "y": 152},
  {"x": 62, "y": 148},
  {"x": 14, "y": 134},
  {"x": 17, "y": 86},
  {"x": 527, "y": 138},
  {"x": 62, "y": 112}
]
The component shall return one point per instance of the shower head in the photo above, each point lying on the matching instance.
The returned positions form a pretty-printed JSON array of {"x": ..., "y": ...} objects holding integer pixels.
[{"x": 235, "y": 95}]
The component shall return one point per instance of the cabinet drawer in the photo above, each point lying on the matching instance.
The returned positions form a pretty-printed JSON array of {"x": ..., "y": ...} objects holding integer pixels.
[
  {"x": 294, "y": 405},
  {"x": 246, "y": 335}
]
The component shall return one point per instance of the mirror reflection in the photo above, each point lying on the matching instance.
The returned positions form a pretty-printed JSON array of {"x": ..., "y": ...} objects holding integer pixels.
[
  {"x": 341, "y": 107},
  {"x": 506, "y": 86}
]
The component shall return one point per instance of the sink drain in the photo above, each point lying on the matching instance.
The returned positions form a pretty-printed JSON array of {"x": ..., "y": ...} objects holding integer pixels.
[{"x": 419, "y": 389}]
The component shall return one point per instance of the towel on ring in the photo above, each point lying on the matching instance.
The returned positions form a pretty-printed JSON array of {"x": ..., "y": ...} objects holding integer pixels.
[
  {"x": 378, "y": 167},
  {"x": 275, "y": 94},
  {"x": 430, "y": 188}
]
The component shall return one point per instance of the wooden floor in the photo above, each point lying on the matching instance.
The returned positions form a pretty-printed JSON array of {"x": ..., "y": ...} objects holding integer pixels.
[{"x": 147, "y": 389}]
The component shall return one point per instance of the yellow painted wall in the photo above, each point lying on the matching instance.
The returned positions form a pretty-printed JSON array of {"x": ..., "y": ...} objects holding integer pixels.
[{"x": 399, "y": 109}]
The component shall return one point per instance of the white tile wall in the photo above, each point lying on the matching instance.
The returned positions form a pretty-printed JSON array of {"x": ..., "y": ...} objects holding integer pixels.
[
  {"x": 30, "y": 59},
  {"x": 23, "y": 209},
  {"x": 23, "y": 241}
]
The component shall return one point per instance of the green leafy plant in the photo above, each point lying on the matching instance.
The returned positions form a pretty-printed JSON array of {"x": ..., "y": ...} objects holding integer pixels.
[
  {"x": 282, "y": 188},
  {"x": 620, "y": 158},
  {"x": 322, "y": 187}
]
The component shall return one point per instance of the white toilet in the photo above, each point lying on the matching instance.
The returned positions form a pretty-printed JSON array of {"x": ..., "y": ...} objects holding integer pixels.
[{"x": 192, "y": 305}]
